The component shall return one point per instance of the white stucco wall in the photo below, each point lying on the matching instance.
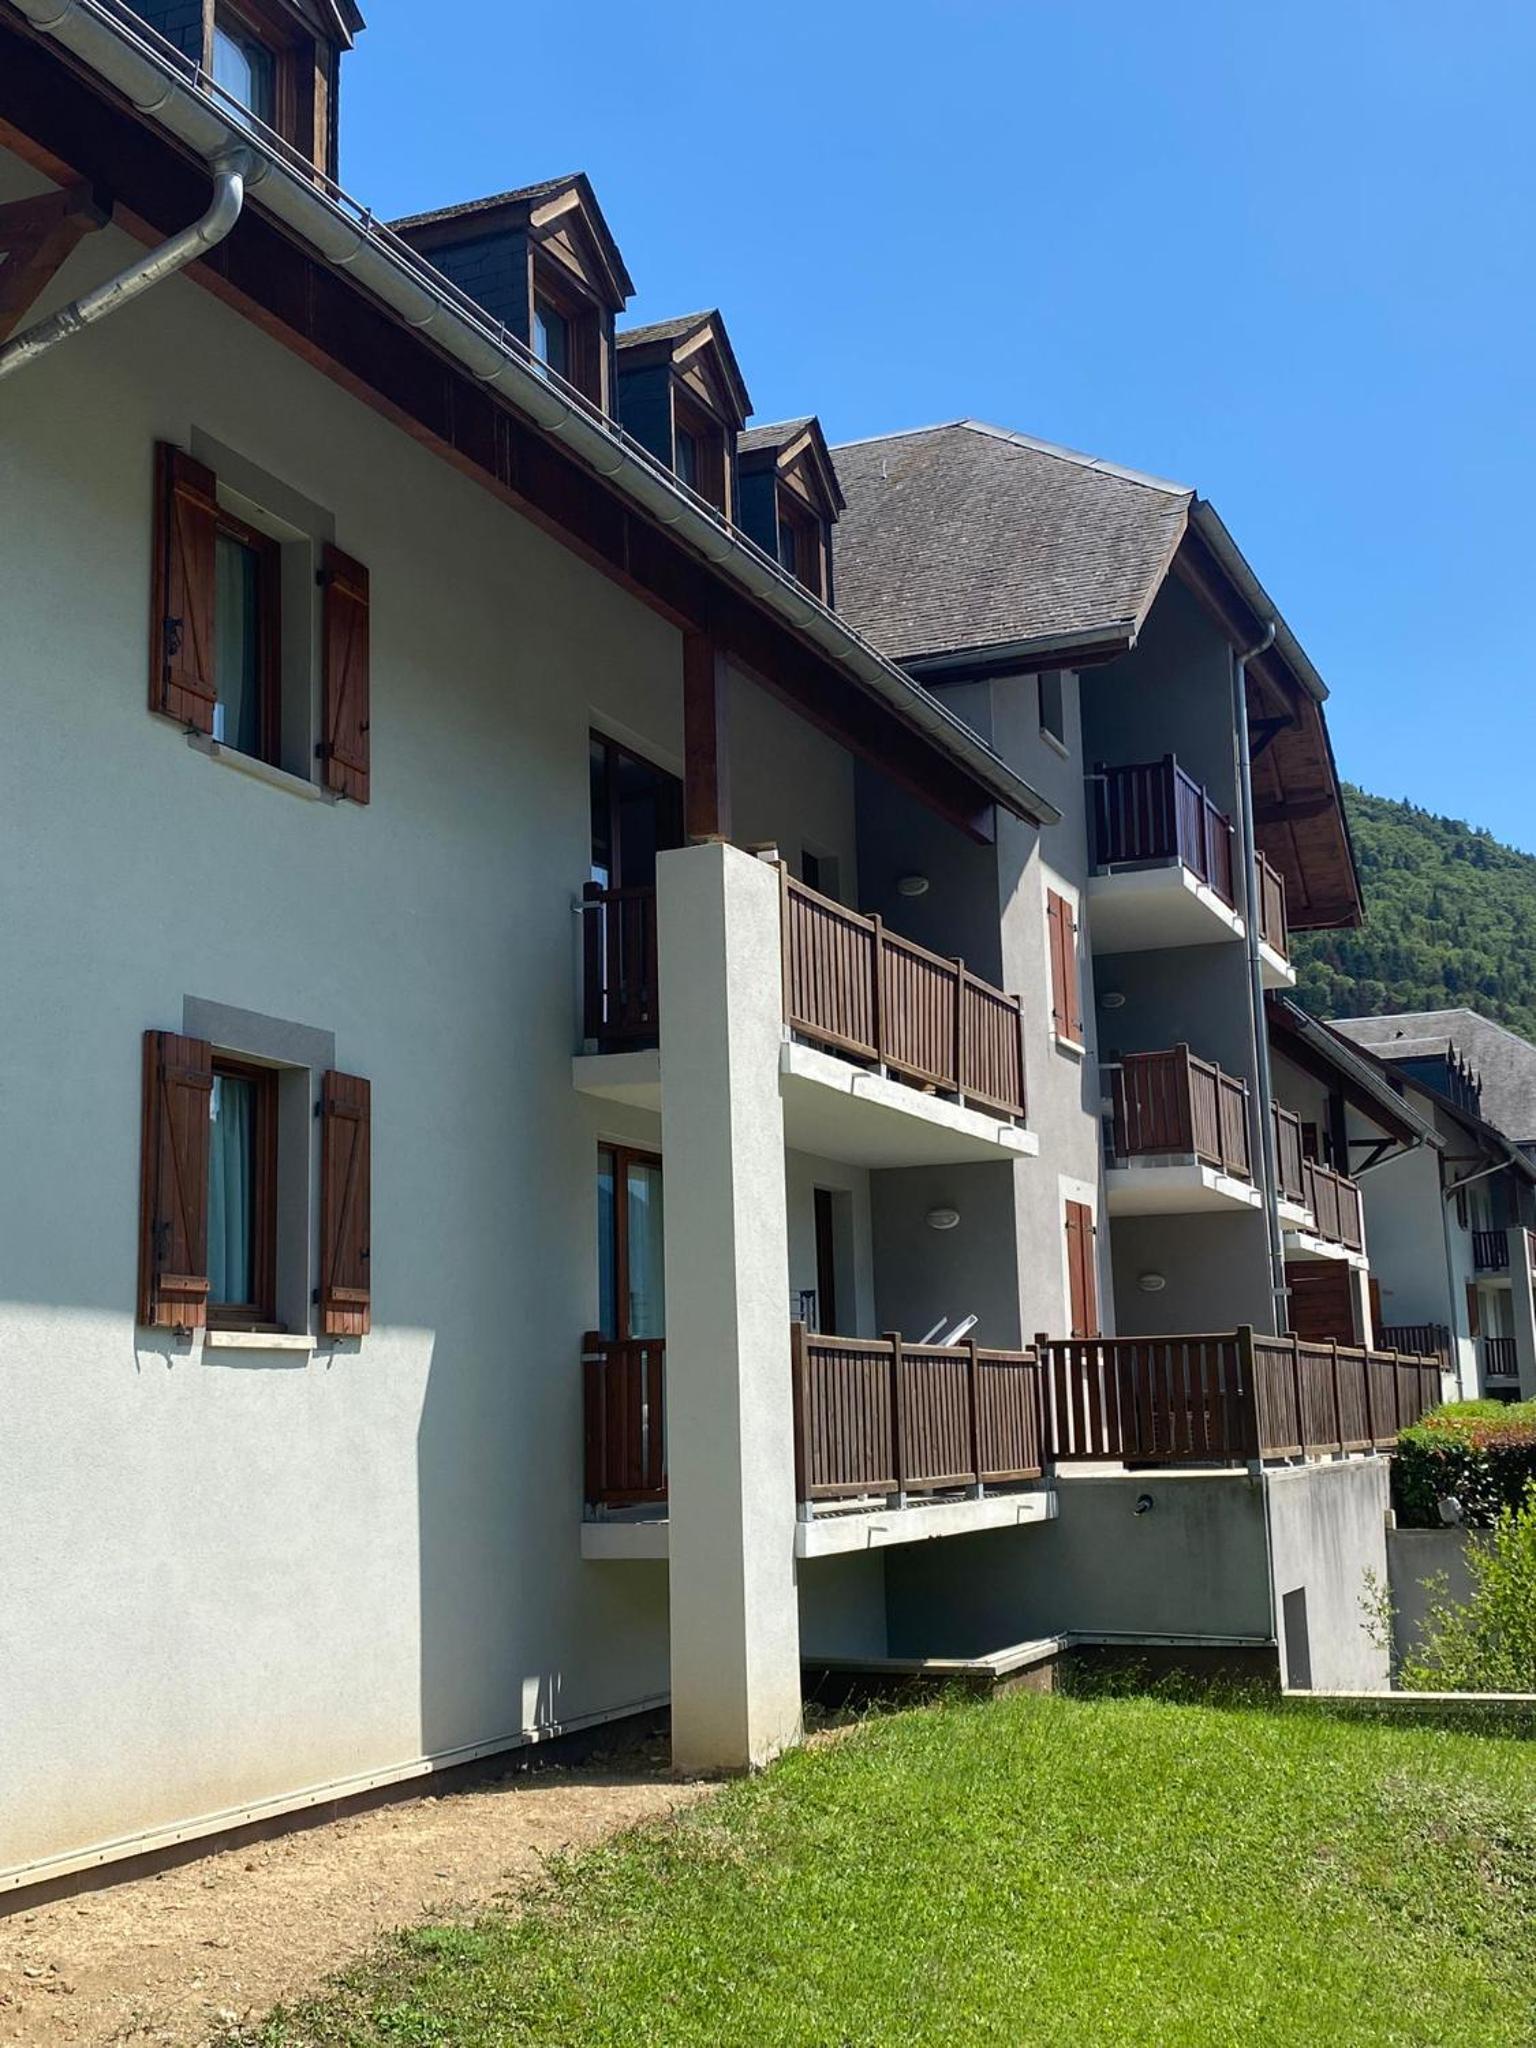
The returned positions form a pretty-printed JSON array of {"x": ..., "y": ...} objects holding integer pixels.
[{"x": 224, "y": 1577}]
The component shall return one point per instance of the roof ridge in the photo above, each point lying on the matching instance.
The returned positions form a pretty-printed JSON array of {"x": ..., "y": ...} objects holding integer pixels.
[{"x": 1055, "y": 449}]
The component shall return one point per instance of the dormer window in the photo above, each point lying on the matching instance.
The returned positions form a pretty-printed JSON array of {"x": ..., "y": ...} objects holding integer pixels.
[
  {"x": 681, "y": 394},
  {"x": 790, "y": 499},
  {"x": 551, "y": 337},
  {"x": 245, "y": 67},
  {"x": 542, "y": 262}
]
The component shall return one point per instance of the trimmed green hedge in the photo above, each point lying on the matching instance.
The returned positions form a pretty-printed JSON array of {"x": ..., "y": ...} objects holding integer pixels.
[{"x": 1480, "y": 1453}]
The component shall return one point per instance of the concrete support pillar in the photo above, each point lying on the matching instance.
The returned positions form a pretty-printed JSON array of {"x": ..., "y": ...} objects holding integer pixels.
[
  {"x": 730, "y": 1443},
  {"x": 1524, "y": 1303}
]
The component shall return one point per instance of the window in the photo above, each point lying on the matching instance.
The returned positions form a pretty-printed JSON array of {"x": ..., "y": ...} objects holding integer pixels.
[
  {"x": 552, "y": 338},
  {"x": 1066, "y": 978},
  {"x": 247, "y": 639},
  {"x": 245, "y": 67},
  {"x": 211, "y": 1196},
  {"x": 819, "y": 871},
  {"x": 1053, "y": 715},
  {"x": 631, "y": 1278},
  {"x": 242, "y": 1194},
  {"x": 698, "y": 452},
  {"x": 637, "y": 812},
  {"x": 567, "y": 332},
  {"x": 800, "y": 545},
  {"x": 219, "y": 668}
]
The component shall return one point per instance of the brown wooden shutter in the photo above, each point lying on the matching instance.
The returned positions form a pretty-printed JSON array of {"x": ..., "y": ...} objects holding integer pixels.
[
  {"x": 182, "y": 679},
  {"x": 1082, "y": 1279},
  {"x": 1066, "y": 994},
  {"x": 1474, "y": 1316},
  {"x": 173, "y": 1181},
  {"x": 344, "y": 637},
  {"x": 345, "y": 1303}
]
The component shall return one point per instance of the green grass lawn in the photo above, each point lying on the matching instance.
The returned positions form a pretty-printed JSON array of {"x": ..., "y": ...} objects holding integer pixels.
[{"x": 1032, "y": 1869}]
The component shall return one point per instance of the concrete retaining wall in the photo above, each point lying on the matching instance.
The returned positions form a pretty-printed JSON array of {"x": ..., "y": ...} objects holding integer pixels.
[{"x": 1415, "y": 1556}]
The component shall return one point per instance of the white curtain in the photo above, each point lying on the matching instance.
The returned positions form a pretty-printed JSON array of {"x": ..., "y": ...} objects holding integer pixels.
[{"x": 231, "y": 1162}]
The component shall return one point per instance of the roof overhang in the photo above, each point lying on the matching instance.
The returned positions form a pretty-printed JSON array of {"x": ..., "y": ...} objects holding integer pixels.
[
  {"x": 1321, "y": 1052},
  {"x": 87, "y": 91}
]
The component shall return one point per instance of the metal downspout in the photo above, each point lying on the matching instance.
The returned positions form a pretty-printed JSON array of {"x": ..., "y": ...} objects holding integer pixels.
[
  {"x": 230, "y": 174},
  {"x": 1278, "y": 1290}
]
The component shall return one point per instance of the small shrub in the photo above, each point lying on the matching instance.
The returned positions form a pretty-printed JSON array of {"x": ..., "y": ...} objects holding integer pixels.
[
  {"x": 1489, "y": 1644},
  {"x": 1482, "y": 1454}
]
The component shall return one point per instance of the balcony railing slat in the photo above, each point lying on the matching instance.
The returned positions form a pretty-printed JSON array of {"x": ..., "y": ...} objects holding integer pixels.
[{"x": 1150, "y": 811}]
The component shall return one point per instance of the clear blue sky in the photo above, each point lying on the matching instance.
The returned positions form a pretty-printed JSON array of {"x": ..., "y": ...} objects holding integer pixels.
[{"x": 1281, "y": 253}]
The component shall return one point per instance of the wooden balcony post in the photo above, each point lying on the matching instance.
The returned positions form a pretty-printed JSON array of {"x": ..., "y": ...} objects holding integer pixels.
[
  {"x": 1298, "y": 1394},
  {"x": 877, "y": 992},
  {"x": 898, "y": 1418},
  {"x": 1338, "y": 1405},
  {"x": 799, "y": 1370},
  {"x": 957, "y": 1038},
  {"x": 1255, "y": 1426},
  {"x": 973, "y": 1408},
  {"x": 1046, "y": 1398},
  {"x": 706, "y": 758}
]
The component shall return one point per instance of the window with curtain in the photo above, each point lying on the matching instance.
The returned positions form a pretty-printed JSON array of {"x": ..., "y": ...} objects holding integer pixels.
[
  {"x": 247, "y": 569},
  {"x": 241, "y": 1193}
]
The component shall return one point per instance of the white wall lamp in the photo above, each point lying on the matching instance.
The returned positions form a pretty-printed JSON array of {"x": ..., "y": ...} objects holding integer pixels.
[
  {"x": 1151, "y": 1283},
  {"x": 1112, "y": 1000},
  {"x": 913, "y": 885},
  {"x": 942, "y": 1219}
]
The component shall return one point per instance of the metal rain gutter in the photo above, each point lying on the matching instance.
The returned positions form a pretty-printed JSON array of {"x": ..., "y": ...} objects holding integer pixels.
[
  {"x": 122, "y": 50},
  {"x": 153, "y": 268}
]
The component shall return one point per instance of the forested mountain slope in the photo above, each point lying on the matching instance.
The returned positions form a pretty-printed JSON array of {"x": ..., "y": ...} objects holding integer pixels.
[{"x": 1450, "y": 922}]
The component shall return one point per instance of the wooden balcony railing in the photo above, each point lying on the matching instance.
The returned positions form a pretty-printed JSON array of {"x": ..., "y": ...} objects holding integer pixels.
[
  {"x": 1337, "y": 1210},
  {"x": 857, "y": 988},
  {"x": 1290, "y": 1160},
  {"x": 1228, "y": 1398},
  {"x": 1173, "y": 1105},
  {"x": 1272, "y": 925},
  {"x": 1490, "y": 1251},
  {"x": 1500, "y": 1361},
  {"x": 621, "y": 1007},
  {"x": 624, "y": 1399},
  {"x": 850, "y": 985},
  {"x": 1152, "y": 811},
  {"x": 878, "y": 1416},
  {"x": 1429, "y": 1340}
]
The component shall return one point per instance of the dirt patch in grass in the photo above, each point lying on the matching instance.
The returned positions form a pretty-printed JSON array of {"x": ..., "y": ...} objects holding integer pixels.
[{"x": 182, "y": 1957}]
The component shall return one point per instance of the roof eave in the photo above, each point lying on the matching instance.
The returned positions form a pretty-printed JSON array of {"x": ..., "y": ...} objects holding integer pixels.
[{"x": 134, "y": 61}]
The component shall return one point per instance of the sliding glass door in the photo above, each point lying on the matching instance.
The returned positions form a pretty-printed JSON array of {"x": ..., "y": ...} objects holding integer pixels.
[{"x": 630, "y": 1214}]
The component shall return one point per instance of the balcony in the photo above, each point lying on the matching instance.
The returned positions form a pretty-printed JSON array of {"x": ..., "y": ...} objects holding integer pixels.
[
  {"x": 1164, "y": 860},
  {"x": 878, "y": 1424},
  {"x": 1501, "y": 1361},
  {"x": 1179, "y": 1138},
  {"x": 896, "y": 1441},
  {"x": 1322, "y": 1211},
  {"x": 880, "y": 1032},
  {"x": 1490, "y": 1252},
  {"x": 1429, "y": 1340}
]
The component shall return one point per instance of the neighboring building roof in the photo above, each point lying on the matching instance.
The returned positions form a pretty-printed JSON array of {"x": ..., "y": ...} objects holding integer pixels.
[
  {"x": 967, "y": 549},
  {"x": 1504, "y": 1062},
  {"x": 1312, "y": 1043},
  {"x": 966, "y": 536}
]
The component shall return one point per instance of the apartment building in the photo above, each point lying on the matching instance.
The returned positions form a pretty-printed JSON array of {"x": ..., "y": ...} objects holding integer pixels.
[
  {"x": 560, "y": 1077},
  {"x": 1453, "y": 1233}
]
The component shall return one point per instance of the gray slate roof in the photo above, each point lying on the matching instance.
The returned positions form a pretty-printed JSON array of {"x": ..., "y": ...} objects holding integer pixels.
[
  {"x": 1504, "y": 1062},
  {"x": 965, "y": 535},
  {"x": 772, "y": 435},
  {"x": 663, "y": 330},
  {"x": 522, "y": 195}
]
